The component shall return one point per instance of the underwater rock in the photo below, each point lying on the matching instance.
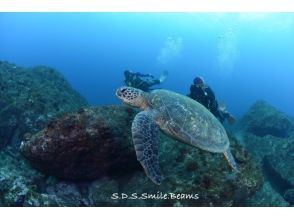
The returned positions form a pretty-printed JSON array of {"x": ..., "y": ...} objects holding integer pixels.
[
  {"x": 85, "y": 145},
  {"x": 29, "y": 98},
  {"x": 196, "y": 177},
  {"x": 263, "y": 119}
]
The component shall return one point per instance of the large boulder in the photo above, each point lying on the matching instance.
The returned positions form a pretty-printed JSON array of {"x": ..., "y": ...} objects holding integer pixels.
[
  {"x": 263, "y": 119},
  {"x": 85, "y": 145},
  {"x": 29, "y": 98}
]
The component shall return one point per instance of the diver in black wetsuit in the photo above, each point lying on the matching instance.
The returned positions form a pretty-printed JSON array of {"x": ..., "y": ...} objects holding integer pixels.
[
  {"x": 143, "y": 81},
  {"x": 203, "y": 94}
]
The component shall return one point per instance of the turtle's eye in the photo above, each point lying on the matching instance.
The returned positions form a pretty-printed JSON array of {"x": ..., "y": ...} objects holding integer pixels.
[{"x": 123, "y": 90}]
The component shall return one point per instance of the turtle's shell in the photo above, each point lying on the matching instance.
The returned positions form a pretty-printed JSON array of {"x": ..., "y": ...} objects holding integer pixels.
[{"x": 188, "y": 121}]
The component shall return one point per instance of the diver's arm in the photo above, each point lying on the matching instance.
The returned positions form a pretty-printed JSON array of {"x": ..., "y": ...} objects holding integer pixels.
[
  {"x": 212, "y": 102},
  {"x": 191, "y": 89},
  {"x": 144, "y": 75}
]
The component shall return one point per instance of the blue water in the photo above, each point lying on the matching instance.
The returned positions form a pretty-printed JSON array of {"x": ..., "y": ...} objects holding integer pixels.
[{"x": 243, "y": 57}]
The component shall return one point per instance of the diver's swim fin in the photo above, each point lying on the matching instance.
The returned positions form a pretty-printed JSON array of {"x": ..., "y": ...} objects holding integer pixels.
[{"x": 163, "y": 76}]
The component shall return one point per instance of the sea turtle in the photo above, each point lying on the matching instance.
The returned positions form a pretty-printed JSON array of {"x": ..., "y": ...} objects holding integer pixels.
[{"x": 176, "y": 115}]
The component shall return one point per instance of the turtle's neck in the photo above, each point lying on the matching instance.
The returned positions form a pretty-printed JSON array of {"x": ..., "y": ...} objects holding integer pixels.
[{"x": 145, "y": 101}]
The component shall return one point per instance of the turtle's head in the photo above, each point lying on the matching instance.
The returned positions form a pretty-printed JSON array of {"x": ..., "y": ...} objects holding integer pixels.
[{"x": 132, "y": 96}]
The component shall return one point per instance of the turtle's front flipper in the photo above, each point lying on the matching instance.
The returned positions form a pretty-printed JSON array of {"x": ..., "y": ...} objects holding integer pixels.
[
  {"x": 231, "y": 160},
  {"x": 146, "y": 140}
]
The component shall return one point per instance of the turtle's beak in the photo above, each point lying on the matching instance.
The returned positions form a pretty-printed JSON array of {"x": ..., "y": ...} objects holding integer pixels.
[{"x": 119, "y": 92}]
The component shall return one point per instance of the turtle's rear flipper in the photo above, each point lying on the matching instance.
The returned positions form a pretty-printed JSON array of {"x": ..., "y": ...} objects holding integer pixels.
[
  {"x": 146, "y": 141},
  {"x": 231, "y": 160}
]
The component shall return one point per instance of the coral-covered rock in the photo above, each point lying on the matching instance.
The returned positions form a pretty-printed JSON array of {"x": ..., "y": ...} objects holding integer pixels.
[
  {"x": 85, "y": 145},
  {"x": 29, "y": 98},
  {"x": 263, "y": 119}
]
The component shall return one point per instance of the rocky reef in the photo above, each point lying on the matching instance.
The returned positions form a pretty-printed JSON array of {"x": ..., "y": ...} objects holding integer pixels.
[
  {"x": 95, "y": 143},
  {"x": 29, "y": 98},
  {"x": 75, "y": 155},
  {"x": 268, "y": 134}
]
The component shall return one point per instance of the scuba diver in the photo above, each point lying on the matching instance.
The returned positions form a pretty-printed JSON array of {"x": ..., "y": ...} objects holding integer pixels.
[
  {"x": 143, "y": 81},
  {"x": 203, "y": 94}
]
